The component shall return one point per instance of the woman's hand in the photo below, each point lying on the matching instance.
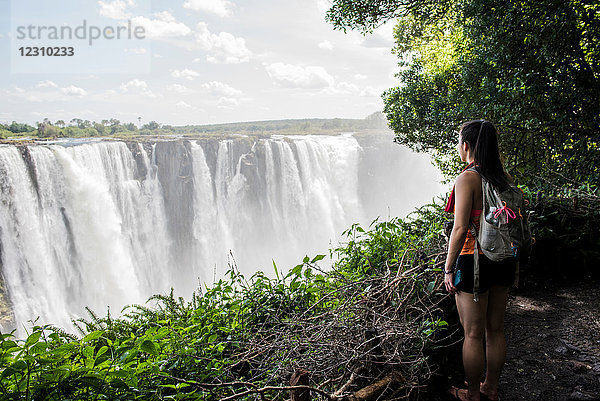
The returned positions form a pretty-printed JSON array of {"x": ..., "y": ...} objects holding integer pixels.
[{"x": 449, "y": 282}]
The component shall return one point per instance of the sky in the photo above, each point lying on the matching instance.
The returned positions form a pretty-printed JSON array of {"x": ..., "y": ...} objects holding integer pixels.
[{"x": 197, "y": 62}]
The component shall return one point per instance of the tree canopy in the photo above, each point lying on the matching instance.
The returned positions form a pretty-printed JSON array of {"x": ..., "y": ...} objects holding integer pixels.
[{"x": 533, "y": 68}]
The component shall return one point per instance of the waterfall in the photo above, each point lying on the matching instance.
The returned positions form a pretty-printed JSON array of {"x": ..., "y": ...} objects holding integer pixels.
[{"x": 110, "y": 223}]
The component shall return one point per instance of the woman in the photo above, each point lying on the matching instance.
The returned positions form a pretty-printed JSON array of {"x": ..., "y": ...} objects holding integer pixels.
[{"x": 477, "y": 146}]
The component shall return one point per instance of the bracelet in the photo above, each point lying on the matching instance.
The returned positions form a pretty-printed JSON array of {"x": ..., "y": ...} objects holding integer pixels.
[{"x": 448, "y": 272}]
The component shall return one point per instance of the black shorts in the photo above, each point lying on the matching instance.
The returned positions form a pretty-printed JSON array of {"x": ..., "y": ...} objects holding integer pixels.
[{"x": 490, "y": 273}]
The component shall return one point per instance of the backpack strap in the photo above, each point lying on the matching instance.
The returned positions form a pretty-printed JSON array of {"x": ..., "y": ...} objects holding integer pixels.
[
  {"x": 475, "y": 265},
  {"x": 476, "y": 248}
]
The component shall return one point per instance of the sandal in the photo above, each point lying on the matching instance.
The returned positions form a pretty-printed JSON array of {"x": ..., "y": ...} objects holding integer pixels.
[{"x": 455, "y": 392}]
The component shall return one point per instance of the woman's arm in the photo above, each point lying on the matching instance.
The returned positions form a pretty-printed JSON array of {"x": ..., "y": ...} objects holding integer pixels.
[{"x": 463, "y": 192}]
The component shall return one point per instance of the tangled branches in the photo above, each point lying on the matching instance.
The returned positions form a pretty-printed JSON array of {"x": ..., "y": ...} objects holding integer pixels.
[{"x": 357, "y": 332}]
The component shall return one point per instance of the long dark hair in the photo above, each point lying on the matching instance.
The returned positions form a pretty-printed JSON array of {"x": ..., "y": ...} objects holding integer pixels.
[{"x": 482, "y": 137}]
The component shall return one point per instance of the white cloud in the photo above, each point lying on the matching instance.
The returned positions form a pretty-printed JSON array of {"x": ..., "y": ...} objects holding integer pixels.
[
  {"x": 134, "y": 83},
  {"x": 137, "y": 86},
  {"x": 370, "y": 91},
  {"x": 178, "y": 88},
  {"x": 45, "y": 91},
  {"x": 164, "y": 26},
  {"x": 73, "y": 91},
  {"x": 165, "y": 16},
  {"x": 187, "y": 74},
  {"x": 300, "y": 77},
  {"x": 223, "y": 48},
  {"x": 346, "y": 87},
  {"x": 220, "y": 7},
  {"x": 114, "y": 9},
  {"x": 183, "y": 105},
  {"x": 227, "y": 102},
  {"x": 326, "y": 45},
  {"x": 360, "y": 77},
  {"x": 220, "y": 88},
  {"x": 341, "y": 88},
  {"x": 46, "y": 84}
]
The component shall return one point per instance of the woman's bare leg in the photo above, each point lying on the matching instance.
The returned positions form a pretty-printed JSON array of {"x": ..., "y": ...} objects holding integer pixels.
[
  {"x": 495, "y": 340},
  {"x": 473, "y": 319}
]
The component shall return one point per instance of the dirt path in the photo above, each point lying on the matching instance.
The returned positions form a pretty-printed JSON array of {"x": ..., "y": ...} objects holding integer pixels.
[{"x": 553, "y": 351}]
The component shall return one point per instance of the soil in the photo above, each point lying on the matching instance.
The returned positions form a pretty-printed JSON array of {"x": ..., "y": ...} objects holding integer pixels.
[{"x": 553, "y": 344}]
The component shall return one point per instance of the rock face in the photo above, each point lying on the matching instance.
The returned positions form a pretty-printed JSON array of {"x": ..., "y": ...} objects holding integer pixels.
[
  {"x": 175, "y": 174},
  {"x": 137, "y": 152},
  {"x": 7, "y": 317}
]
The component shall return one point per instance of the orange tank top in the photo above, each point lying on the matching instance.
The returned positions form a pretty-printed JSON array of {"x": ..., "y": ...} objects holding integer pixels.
[{"x": 469, "y": 246}]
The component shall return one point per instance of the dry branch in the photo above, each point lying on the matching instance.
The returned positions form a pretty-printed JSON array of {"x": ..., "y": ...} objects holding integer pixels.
[
  {"x": 376, "y": 389},
  {"x": 352, "y": 336}
]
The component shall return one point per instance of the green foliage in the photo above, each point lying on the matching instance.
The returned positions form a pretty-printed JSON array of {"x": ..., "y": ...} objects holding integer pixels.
[
  {"x": 567, "y": 231},
  {"x": 533, "y": 68},
  {"x": 388, "y": 243},
  {"x": 4, "y": 133},
  {"x": 17, "y": 128},
  {"x": 172, "y": 349},
  {"x": 135, "y": 356},
  {"x": 366, "y": 15},
  {"x": 151, "y": 126}
]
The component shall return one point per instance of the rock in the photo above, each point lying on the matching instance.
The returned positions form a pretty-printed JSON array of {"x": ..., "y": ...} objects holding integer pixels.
[
  {"x": 570, "y": 346},
  {"x": 579, "y": 367},
  {"x": 300, "y": 377},
  {"x": 581, "y": 396}
]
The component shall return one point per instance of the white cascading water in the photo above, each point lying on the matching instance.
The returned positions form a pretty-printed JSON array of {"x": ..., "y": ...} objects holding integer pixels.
[{"x": 110, "y": 223}]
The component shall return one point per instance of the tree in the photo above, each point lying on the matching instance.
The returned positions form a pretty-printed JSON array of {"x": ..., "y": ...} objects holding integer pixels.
[
  {"x": 81, "y": 124},
  {"x": 533, "y": 68},
  {"x": 16, "y": 128},
  {"x": 130, "y": 127},
  {"x": 152, "y": 126},
  {"x": 100, "y": 128},
  {"x": 46, "y": 129}
]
